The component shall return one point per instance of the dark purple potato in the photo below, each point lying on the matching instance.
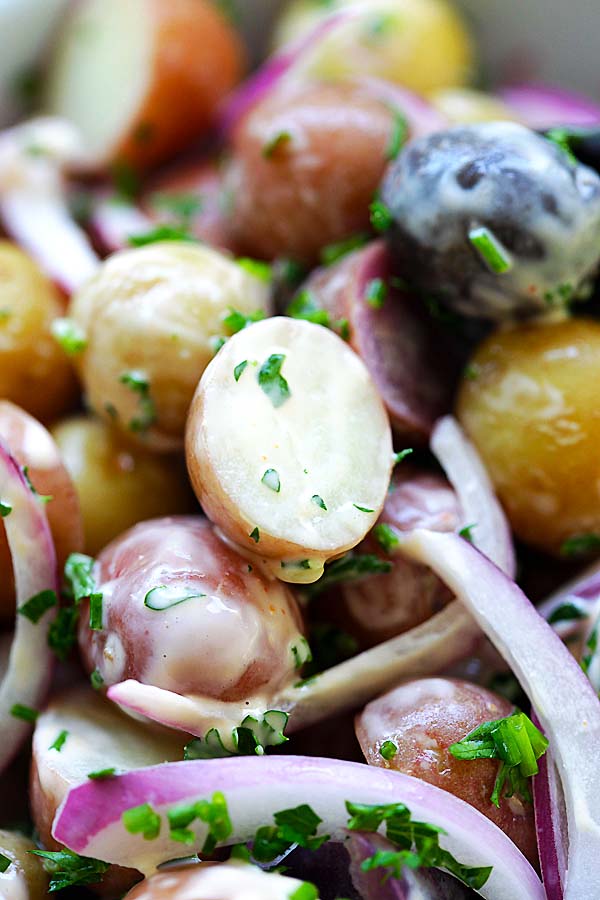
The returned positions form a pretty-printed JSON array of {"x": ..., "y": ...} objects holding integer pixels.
[
  {"x": 495, "y": 220},
  {"x": 412, "y": 363}
]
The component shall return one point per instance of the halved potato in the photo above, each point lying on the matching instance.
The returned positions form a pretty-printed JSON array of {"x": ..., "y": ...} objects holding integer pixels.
[
  {"x": 24, "y": 878},
  {"x": 141, "y": 78},
  {"x": 289, "y": 446}
]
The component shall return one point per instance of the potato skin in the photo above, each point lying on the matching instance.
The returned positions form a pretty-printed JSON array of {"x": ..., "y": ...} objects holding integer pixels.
[
  {"x": 33, "y": 446},
  {"x": 232, "y": 640},
  {"x": 25, "y": 877},
  {"x": 157, "y": 310},
  {"x": 530, "y": 406},
  {"x": 424, "y": 718},
  {"x": 34, "y": 371},
  {"x": 118, "y": 484},
  {"x": 315, "y": 187}
]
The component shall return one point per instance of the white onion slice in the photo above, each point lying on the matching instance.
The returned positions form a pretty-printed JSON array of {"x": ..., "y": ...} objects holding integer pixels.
[
  {"x": 114, "y": 221},
  {"x": 29, "y": 668},
  {"x": 563, "y": 699},
  {"x": 90, "y": 819}
]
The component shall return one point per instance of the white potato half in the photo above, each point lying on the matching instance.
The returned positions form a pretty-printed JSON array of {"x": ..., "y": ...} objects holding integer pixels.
[
  {"x": 296, "y": 470},
  {"x": 154, "y": 313},
  {"x": 24, "y": 878},
  {"x": 231, "y": 881}
]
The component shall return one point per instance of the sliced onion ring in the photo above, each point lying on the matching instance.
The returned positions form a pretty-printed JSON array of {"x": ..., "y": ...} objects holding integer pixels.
[
  {"x": 542, "y": 106},
  {"x": 28, "y": 672},
  {"x": 89, "y": 821},
  {"x": 561, "y": 695},
  {"x": 550, "y": 825},
  {"x": 114, "y": 221}
]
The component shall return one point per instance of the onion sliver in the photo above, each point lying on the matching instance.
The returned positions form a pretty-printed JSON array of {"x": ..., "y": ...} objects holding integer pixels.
[
  {"x": 114, "y": 221},
  {"x": 542, "y": 106},
  {"x": 29, "y": 667},
  {"x": 549, "y": 825},
  {"x": 482, "y": 511},
  {"x": 563, "y": 699},
  {"x": 90, "y": 819}
]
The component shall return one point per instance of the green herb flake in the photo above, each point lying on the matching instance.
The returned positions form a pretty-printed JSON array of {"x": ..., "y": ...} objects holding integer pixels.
[
  {"x": 401, "y": 456},
  {"x": 239, "y": 369},
  {"x": 301, "y": 653},
  {"x": 255, "y": 535},
  {"x": 580, "y": 545},
  {"x": 59, "y": 742},
  {"x": 332, "y": 253},
  {"x": 236, "y": 321},
  {"x": 471, "y": 372},
  {"x": 142, "y": 820},
  {"x": 96, "y": 680},
  {"x": 272, "y": 381},
  {"x": 399, "y": 135},
  {"x": 137, "y": 382},
  {"x": 306, "y": 891},
  {"x": 305, "y": 306},
  {"x": 34, "y": 608},
  {"x": 271, "y": 480},
  {"x": 102, "y": 774},
  {"x": 351, "y": 567},
  {"x": 563, "y": 138},
  {"x": 162, "y": 233},
  {"x": 257, "y": 268},
  {"x": 566, "y": 612},
  {"x": 62, "y": 633},
  {"x": 275, "y": 144},
  {"x": 296, "y": 564},
  {"x": 364, "y": 509},
  {"x": 381, "y": 217},
  {"x": 342, "y": 327},
  {"x": 216, "y": 815},
  {"x": 25, "y": 713},
  {"x": 516, "y": 742},
  {"x": 67, "y": 869},
  {"x": 591, "y": 647},
  {"x": 43, "y": 498},
  {"x": 386, "y": 537},
  {"x": 5, "y": 862},
  {"x": 126, "y": 180},
  {"x": 318, "y": 501},
  {"x": 490, "y": 250},
  {"x": 181, "y": 206},
  {"x": 165, "y": 596},
  {"x": 5, "y": 510},
  {"x": 79, "y": 578},
  {"x": 467, "y": 533},
  {"x": 69, "y": 335},
  {"x": 292, "y": 826},
  {"x": 376, "y": 293},
  {"x": 388, "y": 750},
  {"x": 96, "y": 612}
]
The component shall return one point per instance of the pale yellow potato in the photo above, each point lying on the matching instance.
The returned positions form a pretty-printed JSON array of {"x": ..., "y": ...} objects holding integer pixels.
[
  {"x": 207, "y": 881},
  {"x": 34, "y": 371},
  {"x": 420, "y": 44},
  {"x": 157, "y": 311},
  {"x": 264, "y": 465},
  {"x": 118, "y": 484},
  {"x": 25, "y": 878},
  {"x": 463, "y": 106}
]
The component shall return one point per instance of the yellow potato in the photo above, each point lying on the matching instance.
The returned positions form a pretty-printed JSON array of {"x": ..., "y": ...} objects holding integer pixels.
[
  {"x": 530, "y": 405},
  {"x": 24, "y": 879},
  {"x": 34, "y": 371},
  {"x": 463, "y": 106},
  {"x": 118, "y": 485},
  {"x": 151, "y": 317},
  {"x": 420, "y": 44}
]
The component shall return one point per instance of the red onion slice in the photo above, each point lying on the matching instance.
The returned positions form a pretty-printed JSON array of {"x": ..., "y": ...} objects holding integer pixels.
[
  {"x": 549, "y": 813},
  {"x": 543, "y": 106},
  {"x": 466, "y": 472},
  {"x": 29, "y": 667},
  {"x": 90, "y": 819},
  {"x": 561, "y": 695},
  {"x": 114, "y": 221}
]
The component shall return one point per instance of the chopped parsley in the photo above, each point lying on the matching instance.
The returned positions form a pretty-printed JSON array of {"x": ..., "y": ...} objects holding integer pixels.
[
  {"x": 296, "y": 826},
  {"x": 5, "y": 862},
  {"x": 566, "y": 612},
  {"x": 276, "y": 143},
  {"x": 516, "y": 742},
  {"x": 272, "y": 381},
  {"x": 334, "y": 252},
  {"x": 490, "y": 250},
  {"x": 236, "y": 321},
  {"x": 563, "y": 138},
  {"x": 386, "y": 537},
  {"x": 59, "y": 742},
  {"x": 161, "y": 233},
  {"x": 388, "y": 750},
  {"x": 67, "y": 869},
  {"x": 471, "y": 372},
  {"x": 62, "y": 634},
  {"x": 256, "y": 267},
  {"x": 165, "y": 596},
  {"x": 79, "y": 579},
  {"x": 25, "y": 713},
  {"x": 139, "y": 384},
  {"x": 302, "y": 653},
  {"x": 239, "y": 369},
  {"x": 467, "y": 532},
  {"x": 96, "y": 680},
  {"x": 376, "y": 293},
  {"x": 364, "y": 509},
  {"x": 271, "y": 480},
  {"x": 181, "y": 206},
  {"x": 69, "y": 335},
  {"x": 381, "y": 217},
  {"x": 306, "y": 891},
  {"x": 318, "y": 501},
  {"x": 350, "y": 568},
  {"x": 102, "y": 774},
  {"x": 43, "y": 498},
  {"x": 399, "y": 135},
  {"x": 591, "y": 647},
  {"x": 305, "y": 306},
  {"x": 580, "y": 545},
  {"x": 296, "y": 564},
  {"x": 255, "y": 535},
  {"x": 399, "y": 457},
  {"x": 250, "y": 738},
  {"x": 5, "y": 510},
  {"x": 142, "y": 820},
  {"x": 96, "y": 612},
  {"x": 34, "y": 608}
]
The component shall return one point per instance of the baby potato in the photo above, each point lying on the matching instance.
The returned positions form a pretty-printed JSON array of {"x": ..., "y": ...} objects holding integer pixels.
[
  {"x": 118, "y": 484},
  {"x": 420, "y": 44},
  {"x": 24, "y": 879},
  {"x": 465, "y": 105},
  {"x": 289, "y": 446},
  {"x": 185, "y": 612},
  {"x": 32, "y": 446},
  {"x": 423, "y": 719},
  {"x": 227, "y": 881},
  {"x": 305, "y": 164},
  {"x": 530, "y": 406},
  {"x": 34, "y": 371},
  {"x": 150, "y": 318}
]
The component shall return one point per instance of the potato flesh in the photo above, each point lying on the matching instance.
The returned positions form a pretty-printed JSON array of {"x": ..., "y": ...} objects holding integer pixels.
[
  {"x": 109, "y": 45},
  {"x": 25, "y": 878},
  {"x": 232, "y": 880},
  {"x": 330, "y": 440}
]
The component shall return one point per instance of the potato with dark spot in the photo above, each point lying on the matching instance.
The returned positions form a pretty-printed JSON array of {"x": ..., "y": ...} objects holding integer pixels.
[{"x": 423, "y": 719}]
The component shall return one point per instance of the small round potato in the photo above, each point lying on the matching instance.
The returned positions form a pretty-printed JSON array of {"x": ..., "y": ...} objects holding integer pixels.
[
  {"x": 227, "y": 881},
  {"x": 32, "y": 446},
  {"x": 118, "y": 484},
  {"x": 185, "y": 612},
  {"x": 530, "y": 406},
  {"x": 423, "y": 718},
  {"x": 305, "y": 164},
  {"x": 289, "y": 446},
  {"x": 24, "y": 879},
  {"x": 34, "y": 371},
  {"x": 151, "y": 317}
]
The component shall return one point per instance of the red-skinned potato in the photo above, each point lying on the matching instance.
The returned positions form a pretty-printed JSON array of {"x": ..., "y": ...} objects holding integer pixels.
[
  {"x": 305, "y": 164},
  {"x": 118, "y": 484},
  {"x": 185, "y": 612},
  {"x": 141, "y": 78},
  {"x": 379, "y": 607},
  {"x": 34, "y": 371},
  {"x": 150, "y": 319},
  {"x": 412, "y": 362},
  {"x": 24, "y": 879},
  {"x": 80, "y": 733},
  {"x": 227, "y": 881},
  {"x": 33, "y": 446},
  {"x": 423, "y": 719},
  {"x": 288, "y": 446}
]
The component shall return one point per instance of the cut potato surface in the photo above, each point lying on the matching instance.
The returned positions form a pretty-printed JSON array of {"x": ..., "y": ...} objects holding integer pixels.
[
  {"x": 141, "y": 78},
  {"x": 289, "y": 447},
  {"x": 24, "y": 878}
]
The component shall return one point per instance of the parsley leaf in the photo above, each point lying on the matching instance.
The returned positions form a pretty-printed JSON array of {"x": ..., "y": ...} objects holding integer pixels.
[
  {"x": 139, "y": 384},
  {"x": 580, "y": 545},
  {"x": 271, "y": 480},
  {"x": 386, "y": 536},
  {"x": 276, "y": 143},
  {"x": 142, "y": 820},
  {"x": 236, "y": 321},
  {"x": 491, "y": 250},
  {"x": 350, "y": 568},
  {"x": 160, "y": 233},
  {"x": 399, "y": 135},
  {"x": 34, "y": 608},
  {"x": 566, "y": 612},
  {"x": 25, "y": 713},
  {"x": 69, "y": 335},
  {"x": 5, "y": 862},
  {"x": 62, "y": 633},
  {"x": 272, "y": 381},
  {"x": 59, "y": 742},
  {"x": 296, "y": 826},
  {"x": 381, "y": 217},
  {"x": 305, "y": 306},
  {"x": 67, "y": 869},
  {"x": 334, "y": 252}
]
